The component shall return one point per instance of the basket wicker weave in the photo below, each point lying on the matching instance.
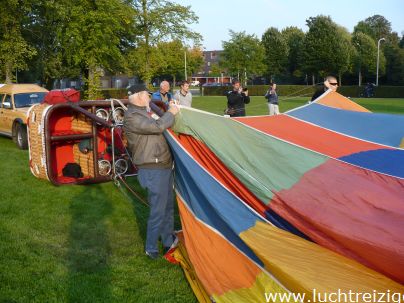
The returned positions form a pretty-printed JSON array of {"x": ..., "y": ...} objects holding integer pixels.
[
  {"x": 86, "y": 161},
  {"x": 55, "y": 135},
  {"x": 83, "y": 124},
  {"x": 36, "y": 139}
]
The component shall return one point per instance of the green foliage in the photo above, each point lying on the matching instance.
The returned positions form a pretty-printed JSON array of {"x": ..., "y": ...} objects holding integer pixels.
[
  {"x": 158, "y": 21},
  {"x": 40, "y": 30},
  {"x": 173, "y": 55},
  {"x": 76, "y": 243},
  {"x": 366, "y": 52},
  {"x": 375, "y": 26},
  {"x": 194, "y": 60},
  {"x": 116, "y": 93},
  {"x": 294, "y": 38},
  {"x": 215, "y": 70},
  {"x": 243, "y": 55},
  {"x": 14, "y": 49},
  {"x": 291, "y": 91},
  {"x": 327, "y": 47},
  {"x": 276, "y": 51},
  {"x": 394, "y": 63},
  {"x": 260, "y": 90},
  {"x": 93, "y": 36}
]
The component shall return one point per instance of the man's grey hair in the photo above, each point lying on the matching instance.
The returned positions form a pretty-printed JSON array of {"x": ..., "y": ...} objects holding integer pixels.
[{"x": 164, "y": 82}]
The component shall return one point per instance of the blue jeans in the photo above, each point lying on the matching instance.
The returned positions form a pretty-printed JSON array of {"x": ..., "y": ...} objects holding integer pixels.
[{"x": 159, "y": 185}]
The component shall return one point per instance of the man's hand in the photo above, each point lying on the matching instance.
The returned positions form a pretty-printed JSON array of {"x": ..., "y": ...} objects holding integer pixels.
[{"x": 173, "y": 109}]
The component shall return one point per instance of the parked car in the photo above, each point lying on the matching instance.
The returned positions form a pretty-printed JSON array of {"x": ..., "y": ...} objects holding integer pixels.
[
  {"x": 210, "y": 84},
  {"x": 195, "y": 83},
  {"x": 15, "y": 100}
]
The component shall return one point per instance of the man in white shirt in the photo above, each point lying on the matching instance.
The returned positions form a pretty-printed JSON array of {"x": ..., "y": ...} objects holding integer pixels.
[{"x": 184, "y": 96}]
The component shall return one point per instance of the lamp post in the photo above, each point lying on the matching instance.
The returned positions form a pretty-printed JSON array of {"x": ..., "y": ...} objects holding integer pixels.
[
  {"x": 185, "y": 65},
  {"x": 377, "y": 64},
  {"x": 360, "y": 65}
]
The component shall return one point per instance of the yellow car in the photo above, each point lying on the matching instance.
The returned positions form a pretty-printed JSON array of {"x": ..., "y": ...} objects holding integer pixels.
[{"x": 15, "y": 100}]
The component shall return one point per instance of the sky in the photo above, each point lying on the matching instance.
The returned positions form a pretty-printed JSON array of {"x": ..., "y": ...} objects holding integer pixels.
[{"x": 216, "y": 17}]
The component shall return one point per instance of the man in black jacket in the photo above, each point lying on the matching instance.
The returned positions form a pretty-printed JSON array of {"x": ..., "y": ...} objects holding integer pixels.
[
  {"x": 329, "y": 83},
  {"x": 152, "y": 155},
  {"x": 236, "y": 100}
]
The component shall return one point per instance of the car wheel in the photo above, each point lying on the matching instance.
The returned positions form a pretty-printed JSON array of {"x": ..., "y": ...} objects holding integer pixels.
[{"x": 21, "y": 136}]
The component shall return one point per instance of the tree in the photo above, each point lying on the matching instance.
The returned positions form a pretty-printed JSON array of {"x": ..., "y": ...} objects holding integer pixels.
[
  {"x": 376, "y": 27},
  {"x": 40, "y": 30},
  {"x": 276, "y": 52},
  {"x": 194, "y": 59},
  {"x": 14, "y": 49},
  {"x": 157, "y": 21},
  {"x": 92, "y": 36},
  {"x": 294, "y": 38},
  {"x": 326, "y": 47},
  {"x": 215, "y": 70},
  {"x": 242, "y": 55},
  {"x": 365, "y": 57},
  {"x": 344, "y": 52},
  {"x": 394, "y": 55},
  {"x": 173, "y": 55}
]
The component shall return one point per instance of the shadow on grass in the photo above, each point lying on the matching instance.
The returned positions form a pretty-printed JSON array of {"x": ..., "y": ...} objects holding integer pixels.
[
  {"x": 141, "y": 211},
  {"x": 89, "y": 248}
]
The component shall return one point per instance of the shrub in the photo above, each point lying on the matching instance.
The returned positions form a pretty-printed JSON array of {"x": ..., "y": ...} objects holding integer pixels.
[{"x": 303, "y": 90}]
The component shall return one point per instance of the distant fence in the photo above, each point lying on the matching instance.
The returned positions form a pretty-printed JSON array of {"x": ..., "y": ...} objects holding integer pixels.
[{"x": 298, "y": 90}]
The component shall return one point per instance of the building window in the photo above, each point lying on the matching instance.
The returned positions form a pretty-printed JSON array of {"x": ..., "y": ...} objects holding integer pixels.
[
  {"x": 213, "y": 55},
  {"x": 208, "y": 63}
]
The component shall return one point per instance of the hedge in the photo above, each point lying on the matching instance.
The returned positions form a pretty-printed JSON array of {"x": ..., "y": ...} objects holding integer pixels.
[
  {"x": 116, "y": 93},
  {"x": 300, "y": 90}
]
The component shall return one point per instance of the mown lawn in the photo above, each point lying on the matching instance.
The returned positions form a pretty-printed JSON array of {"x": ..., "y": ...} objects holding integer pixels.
[
  {"x": 85, "y": 243},
  {"x": 75, "y": 243},
  {"x": 258, "y": 105}
]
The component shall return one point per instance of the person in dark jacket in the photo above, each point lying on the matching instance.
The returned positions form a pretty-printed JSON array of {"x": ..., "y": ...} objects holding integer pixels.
[
  {"x": 329, "y": 83},
  {"x": 236, "y": 100},
  {"x": 152, "y": 155},
  {"x": 272, "y": 96}
]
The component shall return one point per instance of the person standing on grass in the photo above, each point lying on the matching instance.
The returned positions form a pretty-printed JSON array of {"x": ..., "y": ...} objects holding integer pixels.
[
  {"x": 273, "y": 103},
  {"x": 152, "y": 156},
  {"x": 163, "y": 94},
  {"x": 183, "y": 95},
  {"x": 237, "y": 98}
]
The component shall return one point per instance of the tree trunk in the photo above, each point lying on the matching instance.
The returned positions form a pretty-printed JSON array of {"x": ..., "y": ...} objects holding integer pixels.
[
  {"x": 9, "y": 73},
  {"x": 313, "y": 80},
  {"x": 340, "y": 79},
  {"x": 93, "y": 81},
  {"x": 174, "y": 80}
]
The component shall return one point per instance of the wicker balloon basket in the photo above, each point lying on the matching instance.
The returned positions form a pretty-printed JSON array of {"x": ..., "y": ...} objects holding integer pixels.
[
  {"x": 36, "y": 140},
  {"x": 74, "y": 134}
]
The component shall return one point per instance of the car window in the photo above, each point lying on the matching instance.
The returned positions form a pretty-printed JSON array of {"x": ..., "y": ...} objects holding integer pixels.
[
  {"x": 28, "y": 99},
  {"x": 1, "y": 99},
  {"x": 7, "y": 102}
]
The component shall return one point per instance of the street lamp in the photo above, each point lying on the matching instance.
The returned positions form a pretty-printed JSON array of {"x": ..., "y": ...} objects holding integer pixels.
[
  {"x": 360, "y": 65},
  {"x": 185, "y": 65},
  {"x": 377, "y": 65}
]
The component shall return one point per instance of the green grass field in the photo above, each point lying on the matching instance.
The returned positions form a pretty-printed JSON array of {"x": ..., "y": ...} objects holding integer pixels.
[
  {"x": 85, "y": 243},
  {"x": 258, "y": 105}
]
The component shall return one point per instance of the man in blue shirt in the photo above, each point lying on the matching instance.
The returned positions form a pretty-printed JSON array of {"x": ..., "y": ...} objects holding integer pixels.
[{"x": 163, "y": 94}]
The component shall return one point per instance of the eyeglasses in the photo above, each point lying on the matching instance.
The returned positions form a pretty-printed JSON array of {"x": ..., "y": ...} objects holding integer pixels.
[{"x": 334, "y": 84}]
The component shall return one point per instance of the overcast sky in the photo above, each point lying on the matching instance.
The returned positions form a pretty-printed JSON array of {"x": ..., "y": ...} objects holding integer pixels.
[{"x": 216, "y": 17}]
